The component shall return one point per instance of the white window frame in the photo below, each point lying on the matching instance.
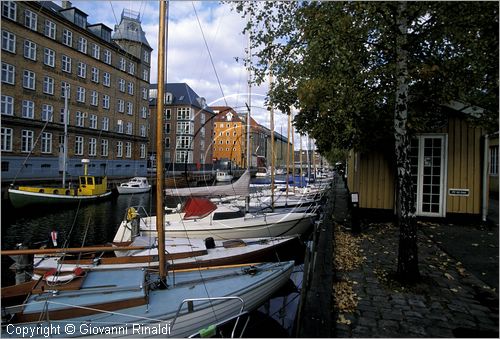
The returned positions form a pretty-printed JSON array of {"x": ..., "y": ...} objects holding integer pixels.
[
  {"x": 82, "y": 70},
  {"x": 30, "y": 19},
  {"x": 119, "y": 149},
  {"x": 46, "y": 143},
  {"x": 29, "y": 49},
  {"x": 80, "y": 119},
  {"x": 64, "y": 84},
  {"x": 143, "y": 151},
  {"x": 48, "y": 85},
  {"x": 131, "y": 68},
  {"x": 80, "y": 94},
  {"x": 7, "y": 135},
  {"x": 107, "y": 56},
  {"x": 7, "y": 105},
  {"x": 104, "y": 147},
  {"x": 92, "y": 147},
  {"x": 8, "y": 73},
  {"x": 130, "y": 128},
  {"x": 27, "y": 139},
  {"x": 121, "y": 85},
  {"x": 93, "y": 121},
  {"x": 9, "y": 9},
  {"x": 95, "y": 75},
  {"x": 144, "y": 112},
  {"x": 96, "y": 51},
  {"x": 130, "y": 88},
  {"x": 128, "y": 149},
  {"x": 49, "y": 57},
  {"x": 8, "y": 41},
  {"x": 105, "y": 123},
  {"x": 47, "y": 112},
  {"x": 105, "y": 101},
  {"x": 121, "y": 106},
  {"x": 130, "y": 108},
  {"x": 79, "y": 141},
  {"x": 66, "y": 63},
  {"x": 50, "y": 29},
  {"x": 143, "y": 131},
  {"x": 106, "y": 79},
  {"x": 94, "y": 98},
  {"x": 81, "y": 45},
  {"x": 123, "y": 64},
  {"x": 67, "y": 37},
  {"x": 184, "y": 113},
  {"x": 29, "y": 79}
]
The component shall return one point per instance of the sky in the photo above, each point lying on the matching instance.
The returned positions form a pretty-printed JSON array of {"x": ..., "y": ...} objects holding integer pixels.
[{"x": 188, "y": 59}]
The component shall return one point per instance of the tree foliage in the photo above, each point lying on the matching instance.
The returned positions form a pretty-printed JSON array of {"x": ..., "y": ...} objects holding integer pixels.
[{"x": 335, "y": 62}]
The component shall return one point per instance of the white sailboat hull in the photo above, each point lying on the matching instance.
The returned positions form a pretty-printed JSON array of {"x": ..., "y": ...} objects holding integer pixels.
[{"x": 244, "y": 288}]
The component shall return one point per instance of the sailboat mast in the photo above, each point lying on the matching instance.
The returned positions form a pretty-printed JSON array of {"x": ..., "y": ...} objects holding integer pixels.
[
  {"x": 160, "y": 103},
  {"x": 249, "y": 153},
  {"x": 293, "y": 153},
  {"x": 271, "y": 125},
  {"x": 288, "y": 154},
  {"x": 65, "y": 141}
]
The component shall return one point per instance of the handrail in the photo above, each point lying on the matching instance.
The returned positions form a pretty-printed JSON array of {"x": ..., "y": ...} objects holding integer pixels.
[{"x": 212, "y": 299}]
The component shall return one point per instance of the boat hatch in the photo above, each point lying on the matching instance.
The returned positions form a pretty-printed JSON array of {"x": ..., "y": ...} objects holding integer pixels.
[{"x": 228, "y": 215}]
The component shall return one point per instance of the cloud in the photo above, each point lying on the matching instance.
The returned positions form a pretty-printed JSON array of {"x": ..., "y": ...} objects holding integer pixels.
[{"x": 187, "y": 56}]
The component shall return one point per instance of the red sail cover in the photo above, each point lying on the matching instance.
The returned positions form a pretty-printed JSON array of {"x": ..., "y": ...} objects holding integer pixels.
[{"x": 196, "y": 208}]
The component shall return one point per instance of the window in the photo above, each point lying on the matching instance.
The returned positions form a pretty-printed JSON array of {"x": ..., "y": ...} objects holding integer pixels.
[
  {"x": 30, "y": 19},
  {"x": 130, "y": 128},
  {"x": 184, "y": 113},
  {"x": 143, "y": 131},
  {"x": 144, "y": 91},
  {"x": 144, "y": 112},
  {"x": 65, "y": 88},
  {"x": 121, "y": 105},
  {"x": 128, "y": 149},
  {"x": 49, "y": 57},
  {"x": 119, "y": 149},
  {"x": 26, "y": 140},
  {"x": 95, "y": 75},
  {"x": 82, "y": 45},
  {"x": 96, "y": 51},
  {"x": 8, "y": 41},
  {"x": 47, "y": 112},
  {"x": 104, "y": 147},
  {"x": 167, "y": 142},
  {"x": 106, "y": 79},
  {"x": 29, "y": 50},
  {"x": 82, "y": 70},
  {"x": 183, "y": 156},
  {"x": 50, "y": 29},
  {"x": 46, "y": 144},
  {"x": 130, "y": 88},
  {"x": 80, "y": 119},
  {"x": 130, "y": 108},
  {"x": 494, "y": 160},
  {"x": 123, "y": 64},
  {"x": 143, "y": 151},
  {"x": 61, "y": 116},
  {"x": 107, "y": 57},
  {"x": 48, "y": 85},
  {"x": 8, "y": 73},
  {"x": 7, "y": 105},
  {"x": 145, "y": 75},
  {"x": 184, "y": 142},
  {"x": 105, "y": 123},
  {"x": 145, "y": 56},
  {"x": 67, "y": 38},
  {"x": 28, "y": 79},
  {"x": 105, "y": 101},
  {"x": 80, "y": 94},
  {"x": 78, "y": 145},
  {"x": 119, "y": 126},
  {"x": 131, "y": 68},
  {"x": 9, "y": 9},
  {"x": 94, "y": 98},
  {"x": 185, "y": 127},
  {"x": 92, "y": 147},
  {"x": 93, "y": 121},
  {"x": 121, "y": 85},
  {"x": 6, "y": 137},
  {"x": 167, "y": 128},
  {"x": 66, "y": 64},
  {"x": 80, "y": 20}
]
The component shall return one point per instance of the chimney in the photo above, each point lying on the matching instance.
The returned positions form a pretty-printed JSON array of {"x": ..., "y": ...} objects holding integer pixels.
[{"x": 66, "y": 4}]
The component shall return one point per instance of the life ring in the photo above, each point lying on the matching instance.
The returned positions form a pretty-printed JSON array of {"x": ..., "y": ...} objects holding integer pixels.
[
  {"x": 51, "y": 278},
  {"x": 131, "y": 213}
]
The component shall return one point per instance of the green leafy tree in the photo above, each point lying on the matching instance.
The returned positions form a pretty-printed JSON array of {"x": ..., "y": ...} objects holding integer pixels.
[{"x": 370, "y": 74}]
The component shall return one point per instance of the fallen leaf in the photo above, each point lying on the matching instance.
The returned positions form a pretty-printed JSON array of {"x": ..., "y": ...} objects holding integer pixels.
[
  {"x": 447, "y": 275},
  {"x": 454, "y": 290}
]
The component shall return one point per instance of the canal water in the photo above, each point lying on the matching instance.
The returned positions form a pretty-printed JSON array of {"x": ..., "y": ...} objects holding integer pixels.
[{"x": 96, "y": 223}]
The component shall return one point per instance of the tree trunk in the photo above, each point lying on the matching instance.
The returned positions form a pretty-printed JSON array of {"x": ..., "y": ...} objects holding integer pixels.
[{"x": 408, "y": 251}]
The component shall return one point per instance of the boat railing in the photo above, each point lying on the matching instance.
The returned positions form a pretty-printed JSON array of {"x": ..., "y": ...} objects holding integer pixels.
[
  {"x": 190, "y": 305},
  {"x": 202, "y": 334}
]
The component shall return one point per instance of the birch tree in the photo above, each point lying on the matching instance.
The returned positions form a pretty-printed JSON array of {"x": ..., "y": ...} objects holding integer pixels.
[{"x": 368, "y": 75}]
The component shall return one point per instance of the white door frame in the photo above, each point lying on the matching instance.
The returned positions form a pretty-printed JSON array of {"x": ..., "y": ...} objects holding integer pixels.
[{"x": 443, "y": 174}]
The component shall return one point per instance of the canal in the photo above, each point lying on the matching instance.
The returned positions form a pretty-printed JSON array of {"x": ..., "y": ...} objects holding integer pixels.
[{"x": 96, "y": 223}]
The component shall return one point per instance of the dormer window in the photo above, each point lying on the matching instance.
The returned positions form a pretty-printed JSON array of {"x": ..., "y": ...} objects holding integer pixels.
[{"x": 80, "y": 20}]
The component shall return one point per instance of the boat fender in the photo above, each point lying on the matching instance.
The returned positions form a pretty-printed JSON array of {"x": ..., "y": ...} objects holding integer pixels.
[
  {"x": 131, "y": 213},
  {"x": 78, "y": 272},
  {"x": 208, "y": 332},
  {"x": 209, "y": 243}
]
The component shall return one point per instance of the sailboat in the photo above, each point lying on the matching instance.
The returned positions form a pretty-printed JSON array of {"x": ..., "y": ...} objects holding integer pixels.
[
  {"x": 138, "y": 302},
  {"x": 89, "y": 187}
]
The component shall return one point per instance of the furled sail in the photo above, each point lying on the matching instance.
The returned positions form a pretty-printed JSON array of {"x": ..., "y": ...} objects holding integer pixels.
[{"x": 239, "y": 188}]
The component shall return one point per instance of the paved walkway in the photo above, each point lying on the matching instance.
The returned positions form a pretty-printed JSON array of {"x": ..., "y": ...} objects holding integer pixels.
[{"x": 449, "y": 301}]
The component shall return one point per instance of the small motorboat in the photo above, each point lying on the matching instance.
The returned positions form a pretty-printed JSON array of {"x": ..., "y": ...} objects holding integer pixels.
[
  {"x": 134, "y": 185},
  {"x": 223, "y": 176}
]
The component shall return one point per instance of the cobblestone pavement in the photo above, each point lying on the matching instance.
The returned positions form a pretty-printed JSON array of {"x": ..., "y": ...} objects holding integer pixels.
[{"x": 449, "y": 301}]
